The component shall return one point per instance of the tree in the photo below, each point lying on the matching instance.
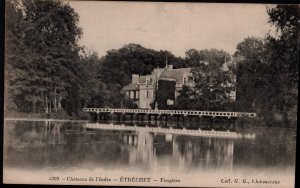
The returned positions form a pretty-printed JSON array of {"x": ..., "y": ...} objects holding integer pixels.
[
  {"x": 42, "y": 53},
  {"x": 14, "y": 51},
  {"x": 117, "y": 66},
  {"x": 267, "y": 70},
  {"x": 283, "y": 57},
  {"x": 251, "y": 70},
  {"x": 93, "y": 91},
  {"x": 212, "y": 88},
  {"x": 216, "y": 58},
  {"x": 252, "y": 48},
  {"x": 213, "y": 84},
  {"x": 163, "y": 93},
  {"x": 53, "y": 34},
  {"x": 185, "y": 99},
  {"x": 193, "y": 58}
]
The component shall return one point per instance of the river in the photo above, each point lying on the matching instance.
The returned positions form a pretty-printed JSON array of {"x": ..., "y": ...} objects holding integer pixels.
[{"x": 49, "y": 148}]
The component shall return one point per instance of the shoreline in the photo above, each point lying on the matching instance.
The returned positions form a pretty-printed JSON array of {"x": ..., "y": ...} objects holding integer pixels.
[
  {"x": 42, "y": 119},
  {"x": 88, "y": 121}
]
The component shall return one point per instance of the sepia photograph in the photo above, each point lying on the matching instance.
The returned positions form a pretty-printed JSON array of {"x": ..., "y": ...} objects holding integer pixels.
[{"x": 160, "y": 94}]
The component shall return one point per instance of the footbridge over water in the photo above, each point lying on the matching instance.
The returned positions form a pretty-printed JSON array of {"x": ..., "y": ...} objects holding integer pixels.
[
  {"x": 189, "y": 119},
  {"x": 212, "y": 114}
]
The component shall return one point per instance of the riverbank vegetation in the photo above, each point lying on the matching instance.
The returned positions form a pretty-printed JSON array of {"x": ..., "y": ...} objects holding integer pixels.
[{"x": 46, "y": 71}]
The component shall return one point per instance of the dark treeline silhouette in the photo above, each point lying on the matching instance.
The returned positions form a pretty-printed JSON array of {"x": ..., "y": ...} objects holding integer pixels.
[
  {"x": 268, "y": 69},
  {"x": 46, "y": 71}
]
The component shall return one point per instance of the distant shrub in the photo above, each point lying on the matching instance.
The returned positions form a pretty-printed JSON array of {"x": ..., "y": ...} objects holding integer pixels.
[{"x": 84, "y": 115}]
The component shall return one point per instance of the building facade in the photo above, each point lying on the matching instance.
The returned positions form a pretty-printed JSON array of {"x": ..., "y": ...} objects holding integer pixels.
[{"x": 142, "y": 88}]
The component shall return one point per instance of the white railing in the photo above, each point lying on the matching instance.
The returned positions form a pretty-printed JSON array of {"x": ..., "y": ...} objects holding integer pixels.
[
  {"x": 171, "y": 112},
  {"x": 205, "y": 133}
]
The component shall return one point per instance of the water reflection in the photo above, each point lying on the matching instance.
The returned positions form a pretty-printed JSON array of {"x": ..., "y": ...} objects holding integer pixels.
[
  {"x": 180, "y": 153},
  {"x": 71, "y": 145}
]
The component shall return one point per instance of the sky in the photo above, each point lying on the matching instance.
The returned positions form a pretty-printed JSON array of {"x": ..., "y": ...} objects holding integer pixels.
[{"x": 175, "y": 27}]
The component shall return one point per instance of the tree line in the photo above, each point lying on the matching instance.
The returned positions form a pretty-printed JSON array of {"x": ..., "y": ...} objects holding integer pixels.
[
  {"x": 268, "y": 68},
  {"x": 266, "y": 73},
  {"x": 47, "y": 71}
]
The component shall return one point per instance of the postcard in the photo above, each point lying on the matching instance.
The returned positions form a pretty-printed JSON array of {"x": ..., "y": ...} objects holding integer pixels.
[{"x": 163, "y": 94}]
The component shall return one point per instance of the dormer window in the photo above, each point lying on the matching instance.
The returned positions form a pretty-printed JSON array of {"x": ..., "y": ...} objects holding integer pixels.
[
  {"x": 188, "y": 79},
  {"x": 184, "y": 80},
  {"x": 148, "y": 81}
]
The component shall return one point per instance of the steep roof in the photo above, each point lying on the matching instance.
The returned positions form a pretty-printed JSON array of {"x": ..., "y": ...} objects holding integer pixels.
[
  {"x": 167, "y": 73},
  {"x": 131, "y": 86},
  {"x": 176, "y": 74},
  {"x": 156, "y": 72},
  {"x": 225, "y": 67}
]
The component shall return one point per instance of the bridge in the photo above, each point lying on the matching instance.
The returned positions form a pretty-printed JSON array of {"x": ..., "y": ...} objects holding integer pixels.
[
  {"x": 171, "y": 118},
  {"x": 170, "y": 112}
]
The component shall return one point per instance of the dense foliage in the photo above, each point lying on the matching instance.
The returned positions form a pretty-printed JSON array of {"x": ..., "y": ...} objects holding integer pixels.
[
  {"x": 283, "y": 58},
  {"x": 41, "y": 54},
  {"x": 47, "y": 71},
  {"x": 118, "y": 65},
  {"x": 268, "y": 69},
  {"x": 164, "y": 95},
  {"x": 213, "y": 81}
]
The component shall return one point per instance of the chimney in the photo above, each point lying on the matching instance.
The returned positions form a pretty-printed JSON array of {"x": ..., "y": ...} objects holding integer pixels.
[{"x": 135, "y": 78}]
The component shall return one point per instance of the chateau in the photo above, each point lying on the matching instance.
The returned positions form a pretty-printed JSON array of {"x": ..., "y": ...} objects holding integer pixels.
[{"x": 142, "y": 88}]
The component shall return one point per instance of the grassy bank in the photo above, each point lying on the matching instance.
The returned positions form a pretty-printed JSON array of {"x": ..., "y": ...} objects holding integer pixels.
[{"x": 61, "y": 115}]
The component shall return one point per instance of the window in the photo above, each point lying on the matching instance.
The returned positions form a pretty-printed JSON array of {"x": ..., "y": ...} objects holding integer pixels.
[
  {"x": 149, "y": 94},
  {"x": 137, "y": 94},
  {"x": 132, "y": 94},
  {"x": 184, "y": 80},
  {"x": 148, "y": 81}
]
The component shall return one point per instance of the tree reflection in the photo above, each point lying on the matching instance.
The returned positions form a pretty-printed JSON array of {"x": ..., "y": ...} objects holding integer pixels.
[
  {"x": 69, "y": 145},
  {"x": 182, "y": 153}
]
